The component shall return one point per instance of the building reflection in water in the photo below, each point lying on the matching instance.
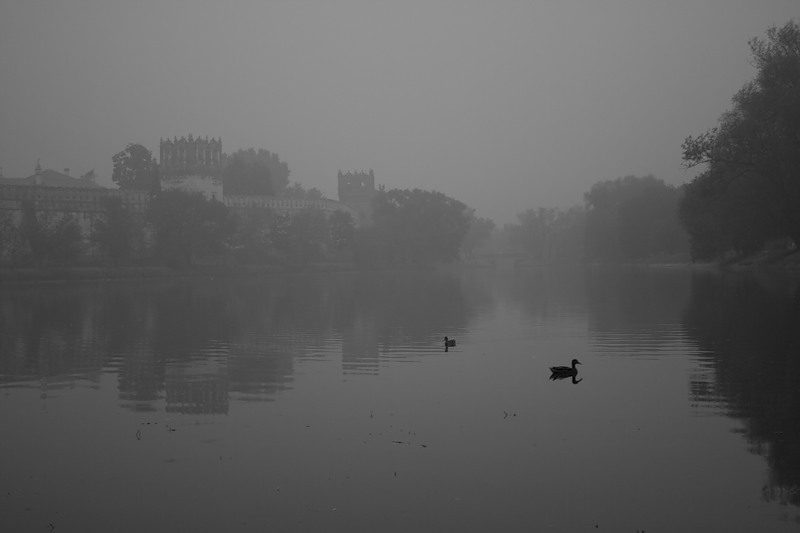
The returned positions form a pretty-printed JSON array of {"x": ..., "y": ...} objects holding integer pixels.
[{"x": 194, "y": 344}]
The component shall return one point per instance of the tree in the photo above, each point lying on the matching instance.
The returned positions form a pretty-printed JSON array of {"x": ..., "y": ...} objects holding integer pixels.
[
  {"x": 186, "y": 224},
  {"x": 309, "y": 236},
  {"x": 721, "y": 217},
  {"x": 11, "y": 239},
  {"x": 255, "y": 172},
  {"x": 115, "y": 231},
  {"x": 296, "y": 190},
  {"x": 248, "y": 177},
  {"x": 420, "y": 226},
  {"x": 64, "y": 240},
  {"x": 755, "y": 146},
  {"x": 342, "y": 228},
  {"x": 549, "y": 234},
  {"x": 90, "y": 176},
  {"x": 480, "y": 229},
  {"x": 252, "y": 240},
  {"x": 632, "y": 218},
  {"x": 50, "y": 236},
  {"x": 135, "y": 168}
]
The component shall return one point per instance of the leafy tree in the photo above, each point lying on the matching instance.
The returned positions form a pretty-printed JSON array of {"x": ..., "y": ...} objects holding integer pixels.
[
  {"x": 252, "y": 240},
  {"x": 49, "y": 236},
  {"x": 309, "y": 236},
  {"x": 136, "y": 168},
  {"x": 241, "y": 176},
  {"x": 737, "y": 219},
  {"x": 342, "y": 229},
  {"x": 90, "y": 176},
  {"x": 298, "y": 191},
  {"x": 756, "y": 146},
  {"x": 281, "y": 233},
  {"x": 420, "y": 226},
  {"x": 115, "y": 231},
  {"x": 480, "y": 230},
  {"x": 534, "y": 233},
  {"x": 11, "y": 239},
  {"x": 64, "y": 240},
  {"x": 549, "y": 234},
  {"x": 186, "y": 224},
  {"x": 632, "y": 218},
  {"x": 33, "y": 234},
  {"x": 255, "y": 172}
]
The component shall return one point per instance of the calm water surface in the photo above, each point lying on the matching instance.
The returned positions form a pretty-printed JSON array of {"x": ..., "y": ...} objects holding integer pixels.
[{"x": 327, "y": 402}]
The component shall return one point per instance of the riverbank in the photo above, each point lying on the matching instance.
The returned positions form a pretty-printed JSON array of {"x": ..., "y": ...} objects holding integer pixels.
[
  {"x": 132, "y": 273},
  {"x": 787, "y": 260},
  {"x": 766, "y": 260}
]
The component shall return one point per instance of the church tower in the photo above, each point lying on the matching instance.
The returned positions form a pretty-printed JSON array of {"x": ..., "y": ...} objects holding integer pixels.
[
  {"x": 192, "y": 164},
  {"x": 356, "y": 190}
]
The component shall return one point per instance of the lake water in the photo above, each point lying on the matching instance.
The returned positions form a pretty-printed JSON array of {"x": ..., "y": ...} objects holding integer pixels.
[{"x": 327, "y": 402}]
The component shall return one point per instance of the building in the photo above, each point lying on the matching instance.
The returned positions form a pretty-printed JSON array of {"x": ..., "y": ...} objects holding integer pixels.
[
  {"x": 192, "y": 164},
  {"x": 357, "y": 190}
]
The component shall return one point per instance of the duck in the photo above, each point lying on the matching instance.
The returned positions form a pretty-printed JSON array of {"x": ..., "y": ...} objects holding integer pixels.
[
  {"x": 449, "y": 343},
  {"x": 565, "y": 370}
]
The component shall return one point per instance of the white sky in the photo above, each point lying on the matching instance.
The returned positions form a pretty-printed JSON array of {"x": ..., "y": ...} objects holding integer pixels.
[{"x": 503, "y": 105}]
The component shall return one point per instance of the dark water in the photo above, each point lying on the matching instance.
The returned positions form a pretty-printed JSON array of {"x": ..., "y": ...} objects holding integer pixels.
[{"x": 326, "y": 402}]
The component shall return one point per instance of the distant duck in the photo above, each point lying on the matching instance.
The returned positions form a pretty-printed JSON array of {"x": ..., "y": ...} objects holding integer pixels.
[
  {"x": 565, "y": 370},
  {"x": 449, "y": 343}
]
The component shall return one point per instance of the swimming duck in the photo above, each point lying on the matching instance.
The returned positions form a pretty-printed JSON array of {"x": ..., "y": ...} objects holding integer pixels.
[
  {"x": 449, "y": 343},
  {"x": 565, "y": 370}
]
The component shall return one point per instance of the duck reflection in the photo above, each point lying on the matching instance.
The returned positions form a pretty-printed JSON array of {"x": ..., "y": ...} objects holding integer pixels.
[
  {"x": 564, "y": 372},
  {"x": 574, "y": 378}
]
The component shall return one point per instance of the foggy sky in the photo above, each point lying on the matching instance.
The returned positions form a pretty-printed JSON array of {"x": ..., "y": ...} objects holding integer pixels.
[{"x": 502, "y": 105}]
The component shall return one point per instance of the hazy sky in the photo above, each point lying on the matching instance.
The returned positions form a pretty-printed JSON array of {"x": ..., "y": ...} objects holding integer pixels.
[{"x": 502, "y": 105}]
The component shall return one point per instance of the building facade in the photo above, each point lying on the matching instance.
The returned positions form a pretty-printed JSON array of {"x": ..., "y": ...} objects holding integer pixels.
[
  {"x": 357, "y": 190},
  {"x": 192, "y": 164}
]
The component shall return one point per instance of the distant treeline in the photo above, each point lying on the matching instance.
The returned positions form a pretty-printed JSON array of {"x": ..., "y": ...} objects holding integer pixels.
[
  {"x": 629, "y": 219},
  {"x": 746, "y": 198},
  {"x": 182, "y": 228}
]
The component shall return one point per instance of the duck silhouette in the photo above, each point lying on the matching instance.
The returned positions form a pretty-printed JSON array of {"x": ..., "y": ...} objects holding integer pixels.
[
  {"x": 565, "y": 371},
  {"x": 449, "y": 343},
  {"x": 574, "y": 377}
]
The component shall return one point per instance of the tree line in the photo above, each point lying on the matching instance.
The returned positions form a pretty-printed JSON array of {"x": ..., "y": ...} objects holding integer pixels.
[
  {"x": 629, "y": 219},
  {"x": 748, "y": 194},
  {"x": 181, "y": 228},
  {"x": 746, "y": 198}
]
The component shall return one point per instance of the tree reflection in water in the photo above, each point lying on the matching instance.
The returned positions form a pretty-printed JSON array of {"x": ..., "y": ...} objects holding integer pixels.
[
  {"x": 749, "y": 329},
  {"x": 192, "y": 343}
]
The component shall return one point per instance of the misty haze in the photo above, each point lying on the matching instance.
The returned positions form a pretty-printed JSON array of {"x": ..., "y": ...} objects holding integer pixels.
[{"x": 411, "y": 266}]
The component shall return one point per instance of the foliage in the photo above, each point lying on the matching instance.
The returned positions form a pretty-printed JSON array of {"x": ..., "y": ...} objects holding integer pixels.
[
  {"x": 632, "y": 218},
  {"x": 755, "y": 152},
  {"x": 480, "y": 230},
  {"x": 419, "y": 226},
  {"x": 187, "y": 224},
  {"x": 342, "y": 229},
  {"x": 135, "y": 168},
  {"x": 738, "y": 219},
  {"x": 254, "y": 172},
  {"x": 308, "y": 236},
  {"x": 115, "y": 231},
  {"x": 243, "y": 176},
  {"x": 252, "y": 239},
  {"x": 50, "y": 237},
  {"x": 549, "y": 234},
  {"x": 297, "y": 191},
  {"x": 12, "y": 242}
]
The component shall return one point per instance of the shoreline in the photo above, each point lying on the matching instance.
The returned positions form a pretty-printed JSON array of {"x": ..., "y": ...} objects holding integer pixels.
[{"x": 772, "y": 260}]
